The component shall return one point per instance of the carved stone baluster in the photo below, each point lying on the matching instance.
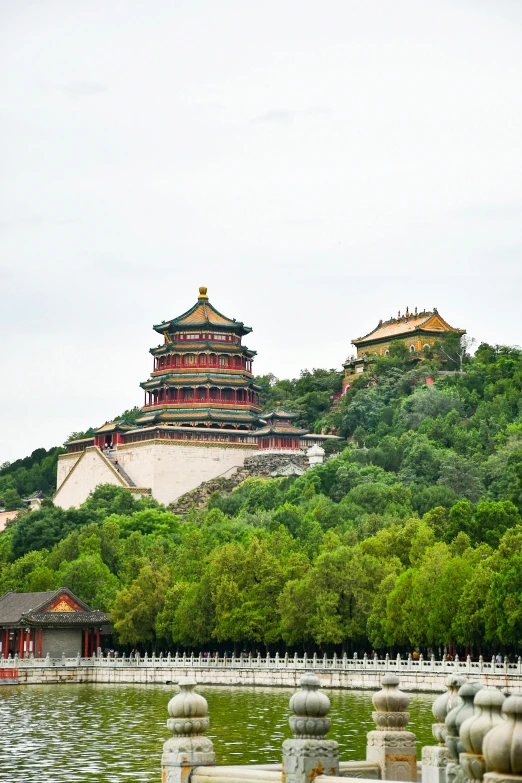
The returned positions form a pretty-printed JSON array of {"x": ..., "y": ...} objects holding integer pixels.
[
  {"x": 310, "y": 753},
  {"x": 435, "y": 757},
  {"x": 487, "y": 708},
  {"x": 502, "y": 746},
  {"x": 188, "y": 748},
  {"x": 390, "y": 745},
  {"x": 454, "y": 720}
]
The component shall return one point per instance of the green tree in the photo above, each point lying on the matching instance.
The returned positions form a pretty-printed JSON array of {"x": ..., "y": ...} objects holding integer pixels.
[{"x": 135, "y": 609}]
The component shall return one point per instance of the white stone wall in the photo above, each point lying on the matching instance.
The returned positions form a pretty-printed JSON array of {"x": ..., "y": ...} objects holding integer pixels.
[
  {"x": 170, "y": 469},
  {"x": 89, "y": 471},
  {"x": 424, "y": 683},
  {"x": 167, "y": 468},
  {"x": 66, "y": 463}
]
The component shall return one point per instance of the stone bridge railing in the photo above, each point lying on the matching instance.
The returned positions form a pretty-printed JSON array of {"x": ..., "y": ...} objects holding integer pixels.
[
  {"x": 399, "y": 665},
  {"x": 478, "y": 733}
]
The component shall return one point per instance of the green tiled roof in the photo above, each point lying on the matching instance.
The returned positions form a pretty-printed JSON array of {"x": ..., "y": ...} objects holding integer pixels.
[
  {"x": 204, "y": 315},
  {"x": 279, "y": 429},
  {"x": 202, "y": 346},
  {"x": 279, "y": 413}
]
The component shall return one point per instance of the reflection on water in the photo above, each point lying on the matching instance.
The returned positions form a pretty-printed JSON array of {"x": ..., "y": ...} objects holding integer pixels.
[{"x": 114, "y": 733}]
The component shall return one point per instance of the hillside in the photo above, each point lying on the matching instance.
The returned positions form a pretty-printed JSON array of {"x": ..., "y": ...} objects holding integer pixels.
[{"x": 411, "y": 535}]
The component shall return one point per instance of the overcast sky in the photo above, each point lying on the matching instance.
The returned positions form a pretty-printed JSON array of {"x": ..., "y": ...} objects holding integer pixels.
[{"x": 318, "y": 165}]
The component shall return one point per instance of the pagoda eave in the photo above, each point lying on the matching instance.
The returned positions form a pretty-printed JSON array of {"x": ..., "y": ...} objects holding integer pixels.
[
  {"x": 203, "y": 326},
  {"x": 167, "y": 372},
  {"x": 182, "y": 408}
]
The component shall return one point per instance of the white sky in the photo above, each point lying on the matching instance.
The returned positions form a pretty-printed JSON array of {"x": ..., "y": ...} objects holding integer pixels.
[{"x": 318, "y": 165}]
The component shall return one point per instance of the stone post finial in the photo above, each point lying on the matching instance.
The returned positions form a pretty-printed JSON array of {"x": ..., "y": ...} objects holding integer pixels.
[
  {"x": 487, "y": 708},
  {"x": 502, "y": 746},
  {"x": 390, "y": 745},
  {"x": 188, "y": 747},
  {"x": 443, "y": 704},
  {"x": 310, "y": 706},
  {"x": 309, "y": 754},
  {"x": 454, "y": 720},
  {"x": 435, "y": 757},
  {"x": 390, "y": 704}
]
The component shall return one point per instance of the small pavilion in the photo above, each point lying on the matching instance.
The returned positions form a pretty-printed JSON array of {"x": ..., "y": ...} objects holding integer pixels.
[
  {"x": 55, "y": 623},
  {"x": 279, "y": 431}
]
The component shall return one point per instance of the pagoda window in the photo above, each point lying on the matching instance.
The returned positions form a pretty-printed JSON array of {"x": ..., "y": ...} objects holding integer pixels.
[
  {"x": 201, "y": 393},
  {"x": 220, "y": 337},
  {"x": 202, "y": 358},
  {"x": 190, "y": 359},
  {"x": 177, "y": 360},
  {"x": 223, "y": 361},
  {"x": 188, "y": 394},
  {"x": 214, "y": 394},
  {"x": 412, "y": 349},
  {"x": 228, "y": 395},
  {"x": 237, "y": 361},
  {"x": 212, "y": 359}
]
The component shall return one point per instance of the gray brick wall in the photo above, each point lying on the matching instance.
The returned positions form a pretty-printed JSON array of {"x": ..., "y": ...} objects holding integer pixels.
[{"x": 56, "y": 641}]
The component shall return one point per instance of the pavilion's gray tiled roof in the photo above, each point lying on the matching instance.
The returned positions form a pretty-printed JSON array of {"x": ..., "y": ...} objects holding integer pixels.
[
  {"x": 20, "y": 608},
  {"x": 48, "y": 619},
  {"x": 14, "y": 605}
]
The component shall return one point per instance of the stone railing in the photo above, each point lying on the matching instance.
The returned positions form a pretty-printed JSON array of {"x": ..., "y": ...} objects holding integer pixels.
[
  {"x": 399, "y": 665},
  {"x": 478, "y": 731}
]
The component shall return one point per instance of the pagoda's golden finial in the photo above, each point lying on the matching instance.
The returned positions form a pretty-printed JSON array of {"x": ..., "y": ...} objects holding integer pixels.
[{"x": 202, "y": 292}]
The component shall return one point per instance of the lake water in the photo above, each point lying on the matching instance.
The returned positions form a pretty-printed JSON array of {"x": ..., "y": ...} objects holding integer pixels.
[{"x": 114, "y": 733}]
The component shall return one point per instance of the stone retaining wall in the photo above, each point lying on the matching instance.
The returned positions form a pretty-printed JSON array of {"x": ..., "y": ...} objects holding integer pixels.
[{"x": 286, "y": 678}]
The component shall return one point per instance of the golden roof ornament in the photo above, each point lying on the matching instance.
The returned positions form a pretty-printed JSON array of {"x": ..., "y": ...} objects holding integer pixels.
[{"x": 202, "y": 292}]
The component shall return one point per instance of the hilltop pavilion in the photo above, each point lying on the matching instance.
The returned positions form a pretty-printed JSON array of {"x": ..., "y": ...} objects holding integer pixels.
[{"x": 416, "y": 331}]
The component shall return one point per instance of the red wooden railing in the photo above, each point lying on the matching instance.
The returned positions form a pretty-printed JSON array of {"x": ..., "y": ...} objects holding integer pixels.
[{"x": 8, "y": 674}]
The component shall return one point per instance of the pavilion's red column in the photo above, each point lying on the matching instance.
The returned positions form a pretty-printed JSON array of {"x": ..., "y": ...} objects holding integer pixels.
[
  {"x": 97, "y": 640},
  {"x": 39, "y": 644},
  {"x": 86, "y": 643},
  {"x": 27, "y": 641}
]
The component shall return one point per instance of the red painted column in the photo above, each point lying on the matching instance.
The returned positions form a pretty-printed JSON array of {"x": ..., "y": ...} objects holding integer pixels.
[
  {"x": 86, "y": 643},
  {"x": 97, "y": 640},
  {"x": 27, "y": 640},
  {"x": 39, "y": 645},
  {"x": 208, "y": 394},
  {"x": 21, "y": 642}
]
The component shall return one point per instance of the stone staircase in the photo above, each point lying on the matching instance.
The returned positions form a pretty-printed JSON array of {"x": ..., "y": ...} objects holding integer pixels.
[{"x": 112, "y": 459}]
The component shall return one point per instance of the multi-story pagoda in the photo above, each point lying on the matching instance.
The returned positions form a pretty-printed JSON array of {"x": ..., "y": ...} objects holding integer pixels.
[
  {"x": 202, "y": 374},
  {"x": 201, "y": 417},
  {"x": 416, "y": 331}
]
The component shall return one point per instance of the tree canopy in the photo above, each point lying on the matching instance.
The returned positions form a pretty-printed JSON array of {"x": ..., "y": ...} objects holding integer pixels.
[{"x": 411, "y": 535}]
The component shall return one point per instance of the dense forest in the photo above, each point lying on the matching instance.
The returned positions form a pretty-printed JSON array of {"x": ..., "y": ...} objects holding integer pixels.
[{"x": 409, "y": 535}]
